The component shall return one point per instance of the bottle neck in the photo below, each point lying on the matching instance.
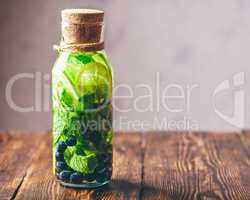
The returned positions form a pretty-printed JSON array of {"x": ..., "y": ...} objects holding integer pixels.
[{"x": 80, "y": 47}]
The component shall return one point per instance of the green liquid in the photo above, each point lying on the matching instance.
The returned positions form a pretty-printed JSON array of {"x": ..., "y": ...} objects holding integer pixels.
[{"x": 82, "y": 119}]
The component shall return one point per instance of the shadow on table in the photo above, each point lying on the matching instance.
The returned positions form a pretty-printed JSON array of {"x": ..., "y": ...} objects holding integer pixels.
[
  {"x": 125, "y": 189},
  {"x": 122, "y": 189}
]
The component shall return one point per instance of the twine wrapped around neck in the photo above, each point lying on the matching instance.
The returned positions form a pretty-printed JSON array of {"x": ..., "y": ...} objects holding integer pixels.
[{"x": 80, "y": 47}]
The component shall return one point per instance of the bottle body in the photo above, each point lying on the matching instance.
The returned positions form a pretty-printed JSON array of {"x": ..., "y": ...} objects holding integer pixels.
[{"x": 82, "y": 119}]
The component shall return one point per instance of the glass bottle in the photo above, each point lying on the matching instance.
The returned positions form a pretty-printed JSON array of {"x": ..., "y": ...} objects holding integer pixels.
[{"x": 81, "y": 102}]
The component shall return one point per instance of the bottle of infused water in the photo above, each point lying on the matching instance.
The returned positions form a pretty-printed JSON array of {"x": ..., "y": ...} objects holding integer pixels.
[{"x": 81, "y": 102}]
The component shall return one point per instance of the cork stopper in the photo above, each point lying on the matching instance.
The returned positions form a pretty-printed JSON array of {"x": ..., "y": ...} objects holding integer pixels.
[{"x": 82, "y": 29}]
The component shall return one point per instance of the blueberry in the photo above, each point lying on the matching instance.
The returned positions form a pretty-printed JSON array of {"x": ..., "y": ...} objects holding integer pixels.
[
  {"x": 76, "y": 178},
  {"x": 59, "y": 156},
  {"x": 102, "y": 157},
  {"x": 99, "y": 167},
  {"x": 102, "y": 175},
  {"x": 90, "y": 177},
  {"x": 61, "y": 147},
  {"x": 109, "y": 172},
  {"x": 101, "y": 178},
  {"x": 108, "y": 161},
  {"x": 101, "y": 171},
  {"x": 71, "y": 141},
  {"x": 64, "y": 175},
  {"x": 60, "y": 166},
  {"x": 95, "y": 137}
]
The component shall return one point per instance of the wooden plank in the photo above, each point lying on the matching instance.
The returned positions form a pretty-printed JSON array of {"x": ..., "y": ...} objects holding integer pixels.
[
  {"x": 169, "y": 166},
  {"x": 176, "y": 166},
  {"x": 230, "y": 172},
  {"x": 195, "y": 166},
  {"x": 4, "y": 139},
  {"x": 16, "y": 150},
  {"x": 245, "y": 173},
  {"x": 39, "y": 183}
]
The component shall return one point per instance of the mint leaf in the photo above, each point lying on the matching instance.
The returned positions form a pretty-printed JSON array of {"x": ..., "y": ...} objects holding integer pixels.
[
  {"x": 79, "y": 59},
  {"x": 79, "y": 163},
  {"x": 81, "y": 158},
  {"x": 109, "y": 137},
  {"x": 59, "y": 123},
  {"x": 65, "y": 98}
]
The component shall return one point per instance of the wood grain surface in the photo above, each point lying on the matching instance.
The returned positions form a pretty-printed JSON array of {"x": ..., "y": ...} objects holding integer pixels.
[{"x": 156, "y": 165}]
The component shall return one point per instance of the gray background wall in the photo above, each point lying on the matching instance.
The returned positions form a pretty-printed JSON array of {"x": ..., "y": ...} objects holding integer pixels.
[{"x": 186, "y": 41}]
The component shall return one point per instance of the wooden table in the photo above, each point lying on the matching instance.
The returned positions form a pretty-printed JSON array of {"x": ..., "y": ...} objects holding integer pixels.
[{"x": 167, "y": 165}]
